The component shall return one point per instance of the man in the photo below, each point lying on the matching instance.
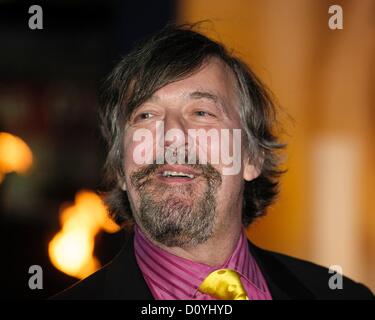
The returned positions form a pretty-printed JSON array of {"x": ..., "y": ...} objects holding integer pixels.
[{"x": 174, "y": 110}]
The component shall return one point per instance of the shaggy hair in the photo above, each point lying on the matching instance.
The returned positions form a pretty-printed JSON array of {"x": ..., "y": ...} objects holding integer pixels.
[{"x": 172, "y": 54}]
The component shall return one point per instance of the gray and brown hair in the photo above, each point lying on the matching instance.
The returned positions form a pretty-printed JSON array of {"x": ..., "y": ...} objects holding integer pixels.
[{"x": 172, "y": 54}]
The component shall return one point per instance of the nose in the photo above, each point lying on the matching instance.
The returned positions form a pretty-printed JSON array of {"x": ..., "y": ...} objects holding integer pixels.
[
  {"x": 174, "y": 142},
  {"x": 175, "y": 130}
]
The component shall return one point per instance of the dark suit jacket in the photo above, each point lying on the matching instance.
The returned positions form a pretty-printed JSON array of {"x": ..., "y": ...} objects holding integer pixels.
[{"x": 287, "y": 278}]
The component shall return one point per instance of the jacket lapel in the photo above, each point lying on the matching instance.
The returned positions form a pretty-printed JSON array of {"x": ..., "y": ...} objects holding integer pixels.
[
  {"x": 281, "y": 282},
  {"x": 124, "y": 279}
]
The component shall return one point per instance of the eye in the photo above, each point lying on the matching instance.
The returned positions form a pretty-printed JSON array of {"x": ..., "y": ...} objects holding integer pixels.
[
  {"x": 143, "y": 116},
  {"x": 201, "y": 113}
]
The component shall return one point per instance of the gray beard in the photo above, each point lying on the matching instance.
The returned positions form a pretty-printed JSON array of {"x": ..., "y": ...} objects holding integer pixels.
[
  {"x": 179, "y": 216},
  {"x": 174, "y": 222}
]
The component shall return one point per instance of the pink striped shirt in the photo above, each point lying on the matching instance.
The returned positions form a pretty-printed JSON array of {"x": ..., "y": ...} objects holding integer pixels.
[{"x": 170, "y": 277}]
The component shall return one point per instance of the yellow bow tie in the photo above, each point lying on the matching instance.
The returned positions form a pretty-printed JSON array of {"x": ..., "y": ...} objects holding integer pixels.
[{"x": 224, "y": 284}]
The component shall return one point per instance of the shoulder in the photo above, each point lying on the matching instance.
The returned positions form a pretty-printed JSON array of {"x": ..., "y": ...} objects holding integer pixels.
[
  {"x": 90, "y": 288},
  {"x": 316, "y": 278},
  {"x": 119, "y": 279}
]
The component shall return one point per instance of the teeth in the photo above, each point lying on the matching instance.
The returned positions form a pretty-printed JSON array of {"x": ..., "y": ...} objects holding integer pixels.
[{"x": 177, "y": 174}]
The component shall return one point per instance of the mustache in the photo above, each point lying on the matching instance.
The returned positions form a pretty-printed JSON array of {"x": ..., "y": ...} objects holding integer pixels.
[{"x": 140, "y": 177}]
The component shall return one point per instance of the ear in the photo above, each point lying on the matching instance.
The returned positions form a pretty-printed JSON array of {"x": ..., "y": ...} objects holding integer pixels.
[
  {"x": 122, "y": 183},
  {"x": 251, "y": 171},
  {"x": 123, "y": 186}
]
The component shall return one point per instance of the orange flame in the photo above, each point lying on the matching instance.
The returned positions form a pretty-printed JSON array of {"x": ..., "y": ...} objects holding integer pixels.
[
  {"x": 72, "y": 248},
  {"x": 15, "y": 155}
]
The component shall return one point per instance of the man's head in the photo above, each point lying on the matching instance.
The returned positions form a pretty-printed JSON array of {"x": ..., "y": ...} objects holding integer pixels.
[{"x": 188, "y": 83}]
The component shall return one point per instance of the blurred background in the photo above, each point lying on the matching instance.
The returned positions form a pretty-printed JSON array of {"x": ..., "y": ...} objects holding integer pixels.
[{"x": 51, "y": 152}]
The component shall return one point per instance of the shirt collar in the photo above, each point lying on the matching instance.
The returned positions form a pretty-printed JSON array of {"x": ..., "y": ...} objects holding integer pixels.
[{"x": 179, "y": 269}]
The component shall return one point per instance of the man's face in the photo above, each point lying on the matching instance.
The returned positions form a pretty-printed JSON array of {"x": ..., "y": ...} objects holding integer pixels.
[{"x": 185, "y": 204}]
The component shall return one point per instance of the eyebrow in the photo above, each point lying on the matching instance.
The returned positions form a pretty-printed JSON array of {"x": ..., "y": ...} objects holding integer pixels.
[
  {"x": 199, "y": 94},
  {"x": 202, "y": 95},
  {"x": 196, "y": 95}
]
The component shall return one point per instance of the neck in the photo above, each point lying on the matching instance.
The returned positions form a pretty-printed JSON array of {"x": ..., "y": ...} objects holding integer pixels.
[{"x": 215, "y": 251}]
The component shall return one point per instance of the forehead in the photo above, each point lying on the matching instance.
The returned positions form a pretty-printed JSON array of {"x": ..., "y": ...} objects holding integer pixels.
[{"x": 214, "y": 77}]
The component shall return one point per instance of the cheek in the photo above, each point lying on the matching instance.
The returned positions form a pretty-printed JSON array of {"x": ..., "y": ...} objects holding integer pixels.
[
  {"x": 231, "y": 152},
  {"x": 128, "y": 148},
  {"x": 128, "y": 163},
  {"x": 231, "y": 188},
  {"x": 218, "y": 146},
  {"x": 139, "y": 147},
  {"x": 206, "y": 151}
]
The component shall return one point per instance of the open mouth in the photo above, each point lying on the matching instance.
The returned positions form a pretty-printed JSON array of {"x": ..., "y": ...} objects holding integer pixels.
[
  {"x": 176, "y": 173},
  {"x": 170, "y": 174}
]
